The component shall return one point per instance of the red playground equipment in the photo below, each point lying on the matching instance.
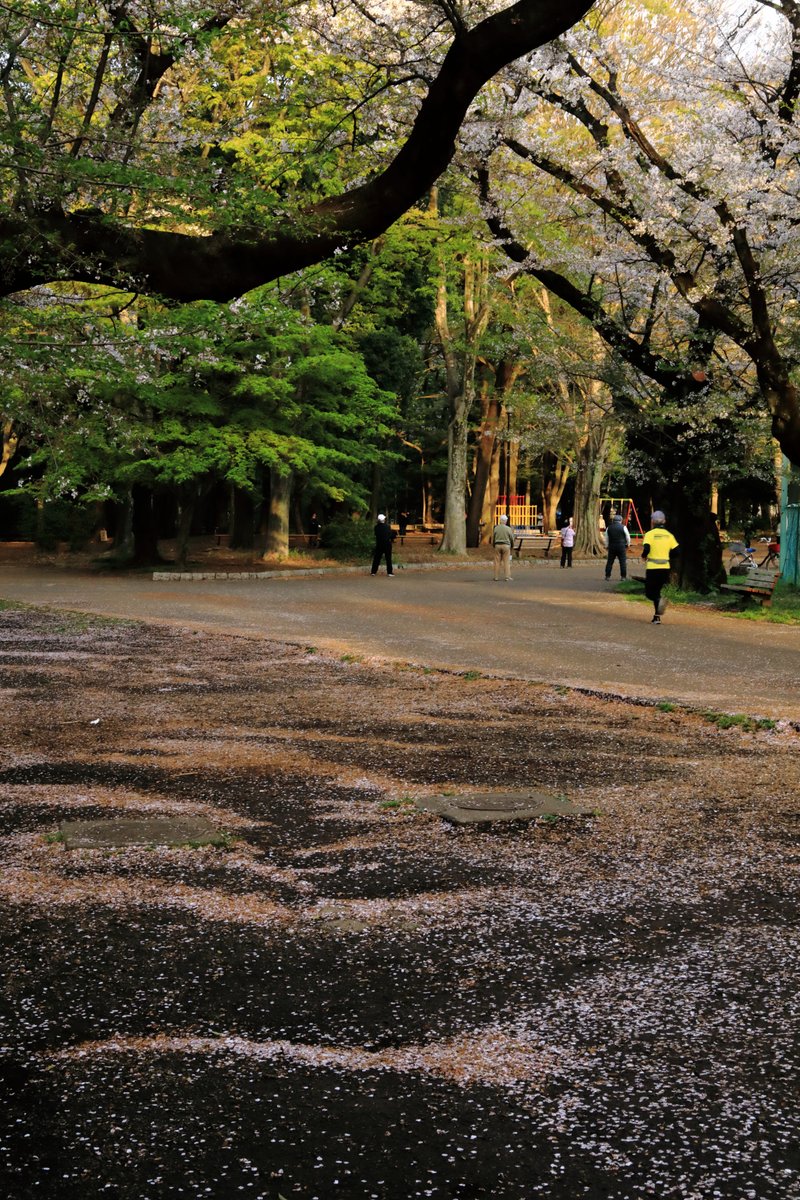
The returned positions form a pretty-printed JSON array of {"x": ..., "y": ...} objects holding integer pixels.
[{"x": 624, "y": 506}]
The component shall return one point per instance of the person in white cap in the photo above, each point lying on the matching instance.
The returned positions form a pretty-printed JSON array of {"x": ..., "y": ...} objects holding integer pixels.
[
  {"x": 502, "y": 543},
  {"x": 658, "y": 549},
  {"x": 383, "y": 545}
]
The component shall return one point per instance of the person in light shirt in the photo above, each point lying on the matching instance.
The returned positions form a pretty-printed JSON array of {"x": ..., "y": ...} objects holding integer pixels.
[
  {"x": 567, "y": 543},
  {"x": 502, "y": 544}
]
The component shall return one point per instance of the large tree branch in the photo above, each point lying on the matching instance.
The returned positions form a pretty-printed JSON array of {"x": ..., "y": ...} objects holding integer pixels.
[{"x": 89, "y": 246}]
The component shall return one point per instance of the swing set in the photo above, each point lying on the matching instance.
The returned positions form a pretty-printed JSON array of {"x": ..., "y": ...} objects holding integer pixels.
[{"x": 624, "y": 506}]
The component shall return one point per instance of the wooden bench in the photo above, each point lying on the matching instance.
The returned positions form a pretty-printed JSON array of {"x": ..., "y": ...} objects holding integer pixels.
[
  {"x": 419, "y": 537},
  {"x": 536, "y": 541},
  {"x": 756, "y": 583}
]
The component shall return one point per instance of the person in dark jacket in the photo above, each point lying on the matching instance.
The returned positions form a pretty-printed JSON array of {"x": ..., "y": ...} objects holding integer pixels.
[
  {"x": 383, "y": 545},
  {"x": 617, "y": 538}
]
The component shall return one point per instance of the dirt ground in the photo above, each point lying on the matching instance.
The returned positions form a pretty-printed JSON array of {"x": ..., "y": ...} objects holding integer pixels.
[{"x": 354, "y": 999}]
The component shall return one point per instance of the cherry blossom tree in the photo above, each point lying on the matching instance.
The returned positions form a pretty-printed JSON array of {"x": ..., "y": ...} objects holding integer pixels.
[{"x": 665, "y": 147}]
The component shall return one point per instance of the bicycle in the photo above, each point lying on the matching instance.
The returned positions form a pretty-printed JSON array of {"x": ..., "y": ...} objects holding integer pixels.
[
  {"x": 741, "y": 557},
  {"x": 773, "y": 556}
]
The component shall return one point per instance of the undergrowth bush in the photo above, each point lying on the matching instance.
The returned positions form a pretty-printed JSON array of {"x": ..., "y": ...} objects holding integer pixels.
[{"x": 344, "y": 538}]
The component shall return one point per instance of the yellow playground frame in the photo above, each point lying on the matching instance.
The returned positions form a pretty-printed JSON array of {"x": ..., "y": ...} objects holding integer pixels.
[{"x": 520, "y": 513}]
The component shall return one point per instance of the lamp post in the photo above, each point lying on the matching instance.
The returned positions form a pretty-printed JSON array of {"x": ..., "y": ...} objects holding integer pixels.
[{"x": 508, "y": 463}]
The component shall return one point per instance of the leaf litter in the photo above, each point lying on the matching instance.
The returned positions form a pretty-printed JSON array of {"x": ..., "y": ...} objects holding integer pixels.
[{"x": 356, "y": 999}]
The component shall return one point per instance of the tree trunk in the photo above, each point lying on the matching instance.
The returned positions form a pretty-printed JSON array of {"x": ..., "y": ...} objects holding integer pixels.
[
  {"x": 187, "y": 502},
  {"x": 513, "y": 465},
  {"x": 691, "y": 520},
  {"x": 145, "y": 526},
  {"x": 123, "y": 531},
  {"x": 460, "y": 361},
  {"x": 483, "y": 469},
  {"x": 590, "y": 469},
  {"x": 492, "y": 492},
  {"x": 280, "y": 492},
  {"x": 243, "y": 516},
  {"x": 454, "y": 540},
  {"x": 10, "y": 443},
  {"x": 427, "y": 501},
  {"x": 555, "y": 473},
  {"x": 375, "y": 492}
]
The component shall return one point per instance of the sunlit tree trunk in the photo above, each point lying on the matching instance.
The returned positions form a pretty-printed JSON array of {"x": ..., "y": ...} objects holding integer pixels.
[
  {"x": 280, "y": 492},
  {"x": 10, "y": 443}
]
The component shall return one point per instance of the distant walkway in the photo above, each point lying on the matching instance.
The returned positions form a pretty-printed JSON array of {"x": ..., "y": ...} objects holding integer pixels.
[{"x": 557, "y": 626}]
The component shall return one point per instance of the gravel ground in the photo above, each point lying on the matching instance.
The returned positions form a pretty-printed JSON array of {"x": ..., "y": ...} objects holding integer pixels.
[{"x": 354, "y": 999}]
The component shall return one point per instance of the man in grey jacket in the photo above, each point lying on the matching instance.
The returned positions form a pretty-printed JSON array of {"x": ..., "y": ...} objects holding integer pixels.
[{"x": 503, "y": 544}]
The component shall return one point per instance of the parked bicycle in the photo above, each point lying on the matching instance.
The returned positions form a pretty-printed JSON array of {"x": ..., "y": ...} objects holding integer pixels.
[{"x": 742, "y": 557}]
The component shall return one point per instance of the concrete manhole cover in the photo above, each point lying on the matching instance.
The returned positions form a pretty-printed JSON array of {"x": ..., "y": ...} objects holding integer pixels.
[
  {"x": 475, "y": 808},
  {"x": 147, "y": 831}
]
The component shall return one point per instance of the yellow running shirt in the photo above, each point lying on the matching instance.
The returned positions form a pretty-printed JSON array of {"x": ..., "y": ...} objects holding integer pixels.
[{"x": 660, "y": 541}]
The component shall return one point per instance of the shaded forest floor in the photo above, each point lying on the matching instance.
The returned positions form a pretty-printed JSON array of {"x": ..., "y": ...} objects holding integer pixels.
[{"x": 353, "y": 998}]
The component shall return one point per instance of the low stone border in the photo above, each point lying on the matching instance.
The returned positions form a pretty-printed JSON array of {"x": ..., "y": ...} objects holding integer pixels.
[{"x": 484, "y": 565}]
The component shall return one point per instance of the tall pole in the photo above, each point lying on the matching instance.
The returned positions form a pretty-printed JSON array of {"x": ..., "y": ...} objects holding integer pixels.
[{"x": 508, "y": 464}]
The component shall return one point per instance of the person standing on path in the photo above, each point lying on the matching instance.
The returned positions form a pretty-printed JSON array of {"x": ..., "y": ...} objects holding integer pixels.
[
  {"x": 658, "y": 550},
  {"x": 502, "y": 544},
  {"x": 383, "y": 545},
  {"x": 617, "y": 539},
  {"x": 567, "y": 542}
]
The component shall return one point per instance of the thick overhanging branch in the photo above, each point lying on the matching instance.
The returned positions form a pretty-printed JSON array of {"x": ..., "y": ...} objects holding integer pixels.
[{"x": 100, "y": 249}]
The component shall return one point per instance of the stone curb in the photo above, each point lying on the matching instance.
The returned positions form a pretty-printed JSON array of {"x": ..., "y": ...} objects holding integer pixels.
[{"x": 484, "y": 565}]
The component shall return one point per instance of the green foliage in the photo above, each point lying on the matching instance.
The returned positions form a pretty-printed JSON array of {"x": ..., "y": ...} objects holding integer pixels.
[
  {"x": 738, "y": 721},
  {"x": 185, "y": 398},
  {"x": 346, "y": 537},
  {"x": 53, "y": 522}
]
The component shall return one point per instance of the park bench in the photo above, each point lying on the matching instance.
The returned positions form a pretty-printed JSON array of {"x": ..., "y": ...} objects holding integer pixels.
[
  {"x": 536, "y": 541},
  {"x": 756, "y": 583},
  {"x": 420, "y": 536}
]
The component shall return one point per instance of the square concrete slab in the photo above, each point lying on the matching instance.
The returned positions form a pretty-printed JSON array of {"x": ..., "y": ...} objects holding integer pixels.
[
  {"x": 474, "y": 808},
  {"x": 142, "y": 831}
]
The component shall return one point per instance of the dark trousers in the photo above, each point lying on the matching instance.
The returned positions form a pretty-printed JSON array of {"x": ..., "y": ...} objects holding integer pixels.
[
  {"x": 655, "y": 579},
  {"x": 566, "y": 556},
  {"x": 619, "y": 552},
  {"x": 382, "y": 552}
]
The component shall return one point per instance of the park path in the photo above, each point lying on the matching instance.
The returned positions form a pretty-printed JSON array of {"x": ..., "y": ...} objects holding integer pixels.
[{"x": 566, "y": 627}]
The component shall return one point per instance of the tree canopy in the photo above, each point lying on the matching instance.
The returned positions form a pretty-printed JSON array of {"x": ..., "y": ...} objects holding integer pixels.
[{"x": 123, "y": 165}]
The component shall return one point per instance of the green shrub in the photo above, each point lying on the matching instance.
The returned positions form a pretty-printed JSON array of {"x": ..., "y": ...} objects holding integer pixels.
[
  {"x": 62, "y": 521},
  {"x": 17, "y": 517},
  {"x": 343, "y": 537}
]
